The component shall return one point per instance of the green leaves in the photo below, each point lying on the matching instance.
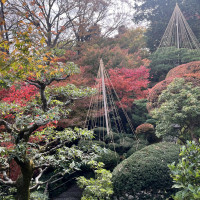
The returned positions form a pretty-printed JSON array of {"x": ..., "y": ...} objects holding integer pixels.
[
  {"x": 186, "y": 174},
  {"x": 99, "y": 188},
  {"x": 179, "y": 107},
  {"x": 70, "y": 91}
]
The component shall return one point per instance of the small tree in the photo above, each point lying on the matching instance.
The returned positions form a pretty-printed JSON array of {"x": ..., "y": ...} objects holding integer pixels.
[
  {"x": 186, "y": 174},
  {"x": 180, "y": 108},
  {"x": 35, "y": 65}
]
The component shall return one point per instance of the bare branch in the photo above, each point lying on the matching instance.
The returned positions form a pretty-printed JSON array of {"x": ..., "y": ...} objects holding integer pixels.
[
  {"x": 35, "y": 83},
  {"x": 45, "y": 182},
  {"x": 6, "y": 180},
  {"x": 57, "y": 79},
  {"x": 37, "y": 182}
]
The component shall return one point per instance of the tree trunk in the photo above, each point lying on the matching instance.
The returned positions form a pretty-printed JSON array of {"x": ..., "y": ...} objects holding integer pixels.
[
  {"x": 43, "y": 98},
  {"x": 23, "y": 182}
]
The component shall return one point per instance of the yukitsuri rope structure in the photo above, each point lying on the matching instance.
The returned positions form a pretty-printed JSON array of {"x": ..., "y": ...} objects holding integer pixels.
[
  {"x": 103, "y": 111},
  {"x": 178, "y": 33}
]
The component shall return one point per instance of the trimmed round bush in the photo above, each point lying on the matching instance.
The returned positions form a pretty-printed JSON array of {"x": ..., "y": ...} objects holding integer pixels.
[
  {"x": 147, "y": 132},
  {"x": 122, "y": 145},
  {"x": 145, "y": 174},
  {"x": 109, "y": 158},
  {"x": 112, "y": 137},
  {"x": 136, "y": 147}
]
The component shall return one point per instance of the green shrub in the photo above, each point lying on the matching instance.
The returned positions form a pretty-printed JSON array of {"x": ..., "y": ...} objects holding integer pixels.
[
  {"x": 186, "y": 174},
  {"x": 38, "y": 195},
  {"x": 106, "y": 156},
  {"x": 109, "y": 158},
  {"x": 99, "y": 188},
  {"x": 100, "y": 133},
  {"x": 112, "y": 137},
  {"x": 126, "y": 139},
  {"x": 122, "y": 145},
  {"x": 145, "y": 174},
  {"x": 86, "y": 144},
  {"x": 139, "y": 113},
  {"x": 113, "y": 146},
  {"x": 151, "y": 121},
  {"x": 136, "y": 147}
]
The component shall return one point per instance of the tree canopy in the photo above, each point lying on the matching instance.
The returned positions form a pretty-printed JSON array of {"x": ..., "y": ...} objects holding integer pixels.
[{"x": 179, "y": 108}]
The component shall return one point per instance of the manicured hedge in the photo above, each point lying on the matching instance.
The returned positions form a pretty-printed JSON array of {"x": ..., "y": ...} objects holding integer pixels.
[
  {"x": 109, "y": 158},
  {"x": 145, "y": 175}
]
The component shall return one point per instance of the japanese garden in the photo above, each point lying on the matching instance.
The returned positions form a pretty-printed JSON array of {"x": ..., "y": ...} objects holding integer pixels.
[{"x": 99, "y": 100}]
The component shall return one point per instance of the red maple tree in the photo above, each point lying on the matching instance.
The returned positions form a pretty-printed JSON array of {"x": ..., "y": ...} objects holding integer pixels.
[{"x": 130, "y": 84}]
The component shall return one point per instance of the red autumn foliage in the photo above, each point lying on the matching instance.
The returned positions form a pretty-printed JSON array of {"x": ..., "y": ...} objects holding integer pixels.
[
  {"x": 68, "y": 56},
  {"x": 190, "y": 72},
  {"x": 14, "y": 170},
  {"x": 144, "y": 128},
  {"x": 130, "y": 84},
  {"x": 19, "y": 96}
]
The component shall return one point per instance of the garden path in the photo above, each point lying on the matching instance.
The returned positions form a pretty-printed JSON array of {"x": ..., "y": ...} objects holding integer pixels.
[{"x": 73, "y": 193}]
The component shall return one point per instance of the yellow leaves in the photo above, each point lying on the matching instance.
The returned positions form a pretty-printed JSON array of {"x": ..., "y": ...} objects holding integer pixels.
[
  {"x": 61, "y": 70},
  {"x": 30, "y": 59},
  {"x": 37, "y": 74},
  {"x": 52, "y": 73},
  {"x": 42, "y": 41},
  {"x": 40, "y": 66},
  {"x": 3, "y": 1}
]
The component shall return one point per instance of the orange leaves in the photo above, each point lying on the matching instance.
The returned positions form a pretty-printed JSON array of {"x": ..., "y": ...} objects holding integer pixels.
[
  {"x": 45, "y": 59},
  {"x": 41, "y": 14},
  {"x": 32, "y": 2},
  {"x": 144, "y": 128},
  {"x": 179, "y": 71},
  {"x": 54, "y": 32},
  {"x": 190, "y": 72}
]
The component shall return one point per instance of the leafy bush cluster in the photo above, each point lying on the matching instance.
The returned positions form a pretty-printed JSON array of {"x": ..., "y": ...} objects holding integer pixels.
[
  {"x": 186, "y": 173},
  {"x": 145, "y": 174},
  {"x": 99, "y": 188}
]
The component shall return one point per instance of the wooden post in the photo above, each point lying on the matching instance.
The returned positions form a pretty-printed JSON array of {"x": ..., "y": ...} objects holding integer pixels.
[{"x": 104, "y": 95}]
